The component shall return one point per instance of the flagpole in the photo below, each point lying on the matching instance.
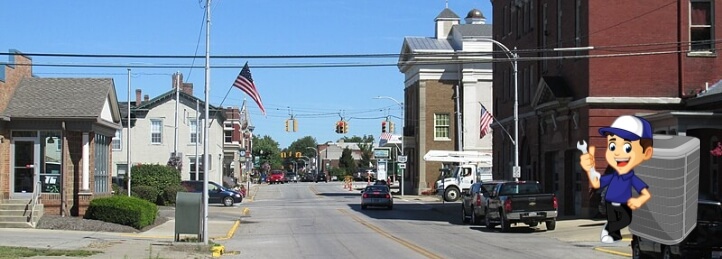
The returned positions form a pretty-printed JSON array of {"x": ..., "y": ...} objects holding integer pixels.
[{"x": 205, "y": 120}]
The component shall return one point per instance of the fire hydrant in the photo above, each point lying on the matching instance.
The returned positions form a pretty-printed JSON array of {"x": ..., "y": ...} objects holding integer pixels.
[{"x": 217, "y": 250}]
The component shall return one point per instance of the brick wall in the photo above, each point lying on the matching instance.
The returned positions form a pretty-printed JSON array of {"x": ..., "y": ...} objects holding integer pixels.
[{"x": 438, "y": 101}]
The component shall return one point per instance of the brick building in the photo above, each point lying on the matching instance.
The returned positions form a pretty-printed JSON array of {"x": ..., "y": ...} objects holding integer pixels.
[
  {"x": 55, "y": 141},
  {"x": 583, "y": 63}
]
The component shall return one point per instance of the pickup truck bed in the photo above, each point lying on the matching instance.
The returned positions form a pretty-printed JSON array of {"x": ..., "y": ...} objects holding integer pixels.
[{"x": 521, "y": 202}]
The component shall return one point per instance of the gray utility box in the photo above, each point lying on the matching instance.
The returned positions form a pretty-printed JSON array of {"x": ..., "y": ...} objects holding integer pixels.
[
  {"x": 188, "y": 210},
  {"x": 673, "y": 178}
]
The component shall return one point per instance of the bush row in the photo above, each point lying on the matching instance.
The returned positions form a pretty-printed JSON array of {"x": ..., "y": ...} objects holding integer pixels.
[{"x": 129, "y": 211}]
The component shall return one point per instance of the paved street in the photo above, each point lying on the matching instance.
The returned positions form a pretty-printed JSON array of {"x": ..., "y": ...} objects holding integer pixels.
[{"x": 322, "y": 220}]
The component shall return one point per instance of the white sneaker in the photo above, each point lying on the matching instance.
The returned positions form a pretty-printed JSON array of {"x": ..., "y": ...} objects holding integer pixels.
[
  {"x": 607, "y": 240},
  {"x": 604, "y": 231}
]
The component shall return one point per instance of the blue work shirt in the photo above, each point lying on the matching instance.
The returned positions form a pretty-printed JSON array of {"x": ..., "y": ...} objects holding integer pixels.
[{"x": 620, "y": 186}]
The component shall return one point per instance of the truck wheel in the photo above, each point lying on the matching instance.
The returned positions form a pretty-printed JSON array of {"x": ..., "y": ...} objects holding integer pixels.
[
  {"x": 551, "y": 224},
  {"x": 487, "y": 220},
  {"x": 451, "y": 194},
  {"x": 505, "y": 225},
  {"x": 475, "y": 220}
]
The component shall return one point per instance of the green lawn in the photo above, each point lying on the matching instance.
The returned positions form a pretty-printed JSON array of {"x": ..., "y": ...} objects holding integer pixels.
[{"x": 20, "y": 252}]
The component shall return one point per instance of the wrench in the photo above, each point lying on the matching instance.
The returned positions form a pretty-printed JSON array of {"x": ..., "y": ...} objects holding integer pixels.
[{"x": 582, "y": 146}]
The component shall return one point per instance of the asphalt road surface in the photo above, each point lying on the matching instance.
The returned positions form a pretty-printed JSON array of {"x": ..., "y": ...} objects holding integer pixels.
[{"x": 322, "y": 220}]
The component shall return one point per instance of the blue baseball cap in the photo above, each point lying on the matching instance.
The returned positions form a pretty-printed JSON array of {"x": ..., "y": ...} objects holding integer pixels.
[{"x": 629, "y": 127}]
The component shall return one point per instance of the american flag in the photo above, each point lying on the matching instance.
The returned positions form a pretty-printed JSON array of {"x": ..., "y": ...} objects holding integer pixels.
[
  {"x": 245, "y": 83},
  {"x": 485, "y": 122},
  {"x": 386, "y": 135}
]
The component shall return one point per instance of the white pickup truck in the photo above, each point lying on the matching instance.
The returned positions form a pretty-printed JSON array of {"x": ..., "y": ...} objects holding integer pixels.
[{"x": 470, "y": 167}]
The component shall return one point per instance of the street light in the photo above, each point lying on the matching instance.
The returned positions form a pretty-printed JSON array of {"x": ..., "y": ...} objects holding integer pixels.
[
  {"x": 402, "y": 138},
  {"x": 514, "y": 58}
]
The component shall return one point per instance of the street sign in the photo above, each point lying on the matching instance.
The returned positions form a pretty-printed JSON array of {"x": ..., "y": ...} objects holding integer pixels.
[
  {"x": 402, "y": 165},
  {"x": 401, "y": 159},
  {"x": 517, "y": 172},
  {"x": 382, "y": 152}
]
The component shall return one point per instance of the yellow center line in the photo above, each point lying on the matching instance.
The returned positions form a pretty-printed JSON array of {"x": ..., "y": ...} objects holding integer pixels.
[
  {"x": 602, "y": 249},
  {"x": 413, "y": 247}
]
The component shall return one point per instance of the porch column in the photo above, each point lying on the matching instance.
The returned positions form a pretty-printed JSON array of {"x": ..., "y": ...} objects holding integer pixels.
[{"x": 85, "y": 185}]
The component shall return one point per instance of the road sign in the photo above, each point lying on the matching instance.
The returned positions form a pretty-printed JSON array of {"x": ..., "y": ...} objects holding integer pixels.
[
  {"x": 402, "y": 165},
  {"x": 517, "y": 172},
  {"x": 401, "y": 159}
]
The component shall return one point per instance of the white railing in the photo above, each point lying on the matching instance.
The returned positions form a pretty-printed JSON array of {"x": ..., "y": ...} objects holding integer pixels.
[{"x": 35, "y": 200}]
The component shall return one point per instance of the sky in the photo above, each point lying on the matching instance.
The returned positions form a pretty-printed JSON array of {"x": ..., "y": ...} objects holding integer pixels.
[{"x": 263, "y": 33}]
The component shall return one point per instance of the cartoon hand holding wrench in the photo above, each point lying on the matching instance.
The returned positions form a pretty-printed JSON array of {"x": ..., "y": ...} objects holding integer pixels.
[{"x": 587, "y": 161}]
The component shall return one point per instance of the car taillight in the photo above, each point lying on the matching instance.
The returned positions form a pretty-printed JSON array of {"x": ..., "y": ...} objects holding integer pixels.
[
  {"x": 478, "y": 201},
  {"x": 366, "y": 195},
  {"x": 556, "y": 205},
  {"x": 388, "y": 196},
  {"x": 507, "y": 205}
]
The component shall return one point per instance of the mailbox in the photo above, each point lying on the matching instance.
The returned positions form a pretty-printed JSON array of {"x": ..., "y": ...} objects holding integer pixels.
[{"x": 188, "y": 212}]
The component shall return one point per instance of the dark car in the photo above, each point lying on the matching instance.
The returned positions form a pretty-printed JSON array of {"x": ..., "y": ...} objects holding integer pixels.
[
  {"x": 321, "y": 177},
  {"x": 377, "y": 195},
  {"x": 291, "y": 177},
  {"x": 216, "y": 192},
  {"x": 474, "y": 202},
  {"x": 705, "y": 240}
]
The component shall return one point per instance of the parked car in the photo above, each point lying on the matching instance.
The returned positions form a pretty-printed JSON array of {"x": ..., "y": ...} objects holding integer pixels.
[
  {"x": 216, "y": 192},
  {"x": 291, "y": 177},
  {"x": 277, "y": 176},
  {"x": 520, "y": 202},
  {"x": 377, "y": 195},
  {"x": 321, "y": 177},
  {"x": 705, "y": 240},
  {"x": 474, "y": 201}
]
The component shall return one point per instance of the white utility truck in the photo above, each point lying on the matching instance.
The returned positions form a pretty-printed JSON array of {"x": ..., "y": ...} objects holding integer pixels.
[{"x": 467, "y": 167}]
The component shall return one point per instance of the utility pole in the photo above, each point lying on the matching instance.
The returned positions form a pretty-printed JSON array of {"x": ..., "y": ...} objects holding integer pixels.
[
  {"x": 177, "y": 100},
  {"x": 205, "y": 120},
  {"x": 130, "y": 164}
]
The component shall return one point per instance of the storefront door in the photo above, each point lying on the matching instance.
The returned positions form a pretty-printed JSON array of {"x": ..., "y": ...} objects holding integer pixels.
[{"x": 24, "y": 167}]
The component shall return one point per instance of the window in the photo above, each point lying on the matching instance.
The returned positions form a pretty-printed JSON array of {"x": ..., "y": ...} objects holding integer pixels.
[
  {"x": 193, "y": 127},
  {"x": 441, "y": 126},
  {"x": 228, "y": 136},
  {"x": 156, "y": 131},
  {"x": 117, "y": 139},
  {"x": 701, "y": 25},
  {"x": 102, "y": 171},
  {"x": 199, "y": 174}
]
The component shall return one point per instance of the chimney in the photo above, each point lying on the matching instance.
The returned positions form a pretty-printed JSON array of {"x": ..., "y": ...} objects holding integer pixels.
[
  {"x": 187, "y": 88},
  {"x": 138, "y": 93},
  {"x": 177, "y": 80},
  {"x": 146, "y": 98}
]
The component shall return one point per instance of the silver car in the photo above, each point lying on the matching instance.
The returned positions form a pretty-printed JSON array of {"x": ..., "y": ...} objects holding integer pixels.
[
  {"x": 377, "y": 195},
  {"x": 291, "y": 177}
]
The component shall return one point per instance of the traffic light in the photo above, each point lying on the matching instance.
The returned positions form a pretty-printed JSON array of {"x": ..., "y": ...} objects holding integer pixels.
[
  {"x": 298, "y": 154},
  {"x": 391, "y": 126},
  {"x": 283, "y": 154},
  {"x": 295, "y": 125},
  {"x": 345, "y": 127},
  {"x": 339, "y": 128},
  {"x": 383, "y": 127},
  {"x": 286, "y": 125}
]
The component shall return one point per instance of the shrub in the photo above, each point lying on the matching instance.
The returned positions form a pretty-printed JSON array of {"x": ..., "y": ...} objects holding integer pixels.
[
  {"x": 170, "y": 192},
  {"x": 148, "y": 193},
  {"x": 129, "y": 211},
  {"x": 156, "y": 176}
]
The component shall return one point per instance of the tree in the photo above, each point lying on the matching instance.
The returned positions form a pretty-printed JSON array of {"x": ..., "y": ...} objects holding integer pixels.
[
  {"x": 267, "y": 150},
  {"x": 367, "y": 151},
  {"x": 347, "y": 162},
  {"x": 357, "y": 139},
  {"x": 302, "y": 145}
]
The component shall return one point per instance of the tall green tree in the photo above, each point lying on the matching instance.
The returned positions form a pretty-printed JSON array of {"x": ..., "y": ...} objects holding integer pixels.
[
  {"x": 357, "y": 139},
  {"x": 302, "y": 145},
  {"x": 346, "y": 162},
  {"x": 367, "y": 151},
  {"x": 267, "y": 150}
]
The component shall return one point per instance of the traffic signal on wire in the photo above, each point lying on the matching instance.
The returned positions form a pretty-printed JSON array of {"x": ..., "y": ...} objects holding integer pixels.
[
  {"x": 345, "y": 127},
  {"x": 295, "y": 125},
  {"x": 339, "y": 128},
  {"x": 391, "y": 126},
  {"x": 286, "y": 125},
  {"x": 383, "y": 127}
]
